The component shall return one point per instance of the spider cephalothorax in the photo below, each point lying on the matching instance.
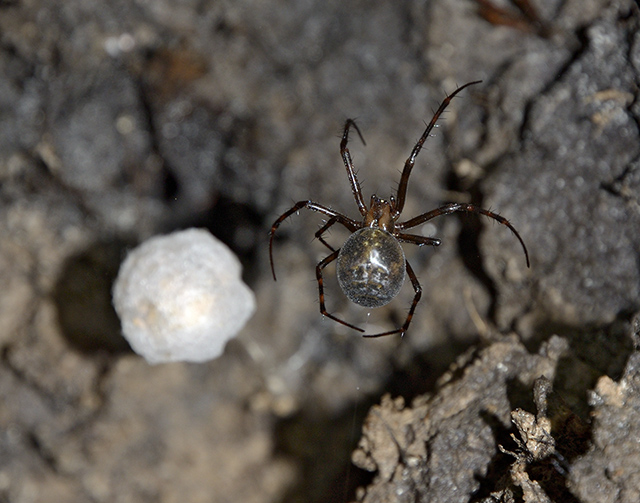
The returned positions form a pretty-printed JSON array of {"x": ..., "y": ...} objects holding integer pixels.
[{"x": 371, "y": 263}]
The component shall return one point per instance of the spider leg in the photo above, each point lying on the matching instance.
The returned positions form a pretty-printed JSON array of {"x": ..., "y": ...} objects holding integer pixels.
[
  {"x": 310, "y": 205},
  {"x": 462, "y": 207},
  {"x": 417, "y": 240},
  {"x": 326, "y": 227},
  {"x": 418, "y": 293},
  {"x": 408, "y": 165},
  {"x": 321, "y": 265},
  {"x": 351, "y": 172}
]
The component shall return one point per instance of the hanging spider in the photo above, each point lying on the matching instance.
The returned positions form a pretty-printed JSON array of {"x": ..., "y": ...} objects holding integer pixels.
[{"x": 371, "y": 264}]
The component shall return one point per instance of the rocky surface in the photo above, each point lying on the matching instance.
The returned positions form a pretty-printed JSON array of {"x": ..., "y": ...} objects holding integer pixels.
[{"x": 121, "y": 120}]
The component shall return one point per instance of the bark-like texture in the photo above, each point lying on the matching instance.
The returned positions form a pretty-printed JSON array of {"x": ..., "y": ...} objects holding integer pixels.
[{"x": 124, "y": 119}]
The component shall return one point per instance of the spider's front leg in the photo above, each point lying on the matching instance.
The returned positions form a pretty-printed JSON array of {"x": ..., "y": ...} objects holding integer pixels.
[
  {"x": 410, "y": 162},
  {"x": 321, "y": 265},
  {"x": 310, "y": 205},
  {"x": 348, "y": 163}
]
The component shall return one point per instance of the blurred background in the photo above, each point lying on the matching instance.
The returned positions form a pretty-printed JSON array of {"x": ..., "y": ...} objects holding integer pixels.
[{"x": 125, "y": 119}]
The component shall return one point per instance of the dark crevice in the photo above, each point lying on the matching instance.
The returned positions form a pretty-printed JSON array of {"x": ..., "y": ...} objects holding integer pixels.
[
  {"x": 469, "y": 240},
  {"x": 239, "y": 226},
  {"x": 550, "y": 477},
  {"x": 497, "y": 474},
  {"x": 568, "y": 66},
  {"x": 171, "y": 185},
  {"x": 321, "y": 447},
  {"x": 571, "y": 436},
  {"x": 41, "y": 451},
  {"x": 605, "y": 348}
]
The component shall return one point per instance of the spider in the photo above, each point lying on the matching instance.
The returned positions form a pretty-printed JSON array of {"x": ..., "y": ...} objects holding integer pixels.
[{"x": 371, "y": 264}]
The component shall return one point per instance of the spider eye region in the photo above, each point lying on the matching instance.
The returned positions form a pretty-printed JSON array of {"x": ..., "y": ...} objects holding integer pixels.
[{"x": 371, "y": 267}]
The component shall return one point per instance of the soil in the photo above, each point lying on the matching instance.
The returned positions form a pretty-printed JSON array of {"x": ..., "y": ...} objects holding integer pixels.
[{"x": 125, "y": 119}]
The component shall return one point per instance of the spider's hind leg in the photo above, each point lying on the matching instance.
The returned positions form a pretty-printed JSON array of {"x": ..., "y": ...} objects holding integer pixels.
[
  {"x": 321, "y": 265},
  {"x": 333, "y": 220},
  {"x": 416, "y": 298}
]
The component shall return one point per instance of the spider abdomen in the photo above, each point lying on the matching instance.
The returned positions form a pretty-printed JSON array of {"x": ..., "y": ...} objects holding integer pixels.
[{"x": 371, "y": 267}]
